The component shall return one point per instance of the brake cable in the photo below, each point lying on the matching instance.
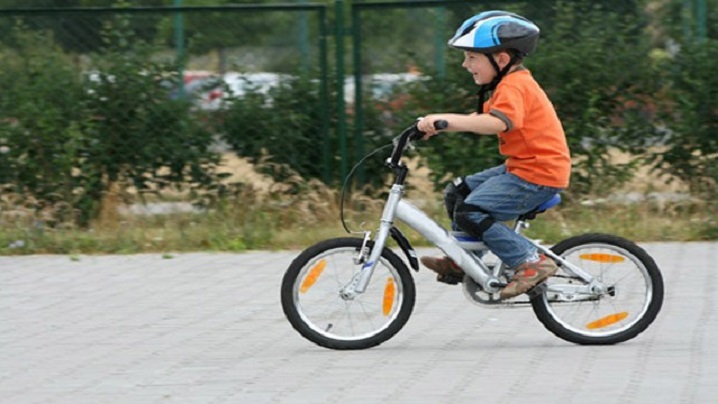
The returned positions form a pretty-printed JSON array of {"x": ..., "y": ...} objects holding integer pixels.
[
  {"x": 346, "y": 183},
  {"x": 441, "y": 124}
]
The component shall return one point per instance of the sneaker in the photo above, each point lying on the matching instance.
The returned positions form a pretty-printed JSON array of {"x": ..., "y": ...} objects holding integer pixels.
[
  {"x": 528, "y": 275},
  {"x": 447, "y": 270}
]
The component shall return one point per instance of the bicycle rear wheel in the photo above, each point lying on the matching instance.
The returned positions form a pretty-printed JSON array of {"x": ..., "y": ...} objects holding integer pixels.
[
  {"x": 631, "y": 301},
  {"x": 313, "y": 304}
]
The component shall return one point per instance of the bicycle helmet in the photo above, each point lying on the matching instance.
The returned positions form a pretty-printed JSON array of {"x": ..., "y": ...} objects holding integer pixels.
[{"x": 493, "y": 31}]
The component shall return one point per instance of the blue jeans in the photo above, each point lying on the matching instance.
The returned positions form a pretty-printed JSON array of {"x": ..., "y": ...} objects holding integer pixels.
[{"x": 504, "y": 196}]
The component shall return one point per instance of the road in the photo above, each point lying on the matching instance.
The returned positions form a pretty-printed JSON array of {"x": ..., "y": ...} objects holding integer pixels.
[{"x": 208, "y": 328}]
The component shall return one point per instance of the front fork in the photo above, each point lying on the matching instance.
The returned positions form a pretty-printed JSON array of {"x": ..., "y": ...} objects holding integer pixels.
[{"x": 360, "y": 281}]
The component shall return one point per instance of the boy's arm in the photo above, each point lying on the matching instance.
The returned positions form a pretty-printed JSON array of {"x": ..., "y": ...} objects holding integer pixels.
[{"x": 483, "y": 124}]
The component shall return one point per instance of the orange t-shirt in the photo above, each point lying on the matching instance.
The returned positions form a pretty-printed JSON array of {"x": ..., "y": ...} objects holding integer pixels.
[{"x": 534, "y": 143}]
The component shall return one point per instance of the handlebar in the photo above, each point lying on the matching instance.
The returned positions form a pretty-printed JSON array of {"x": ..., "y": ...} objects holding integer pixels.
[{"x": 409, "y": 134}]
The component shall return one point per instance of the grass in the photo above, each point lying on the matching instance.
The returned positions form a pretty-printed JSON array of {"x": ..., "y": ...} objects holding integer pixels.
[
  {"x": 298, "y": 213},
  {"x": 296, "y": 221},
  {"x": 635, "y": 222}
]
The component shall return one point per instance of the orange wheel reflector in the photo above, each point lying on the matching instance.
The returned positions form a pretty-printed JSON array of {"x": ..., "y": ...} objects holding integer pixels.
[
  {"x": 602, "y": 258},
  {"x": 606, "y": 321},
  {"x": 313, "y": 275},
  {"x": 389, "y": 291}
]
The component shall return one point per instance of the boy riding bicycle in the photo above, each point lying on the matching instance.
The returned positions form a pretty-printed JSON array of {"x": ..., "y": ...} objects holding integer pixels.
[{"x": 538, "y": 163}]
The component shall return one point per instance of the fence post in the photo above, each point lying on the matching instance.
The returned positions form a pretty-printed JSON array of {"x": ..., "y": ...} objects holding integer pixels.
[
  {"x": 341, "y": 113},
  {"x": 440, "y": 42},
  {"x": 358, "y": 104},
  {"x": 303, "y": 37},
  {"x": 179, "y": 45},
  {"x": 324, "y": 96},
  {"x": 701, "y": 17}
]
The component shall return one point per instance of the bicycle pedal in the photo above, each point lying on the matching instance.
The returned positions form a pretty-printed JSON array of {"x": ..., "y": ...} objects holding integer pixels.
[
  {"x": 536, "y": 290},
  {"x": 449, "y": 279}
]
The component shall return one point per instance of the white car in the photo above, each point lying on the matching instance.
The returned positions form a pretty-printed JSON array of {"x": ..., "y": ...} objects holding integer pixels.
[
  {"x": 380, "y": 85},
  {"x": 236, "y": 85}
]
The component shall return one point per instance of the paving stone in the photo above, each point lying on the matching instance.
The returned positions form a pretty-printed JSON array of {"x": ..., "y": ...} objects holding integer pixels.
[{"x": 209, "y": 328}]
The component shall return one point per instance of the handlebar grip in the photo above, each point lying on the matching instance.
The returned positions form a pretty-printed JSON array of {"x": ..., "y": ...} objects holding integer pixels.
[
  {"x": 438, "y": 125},
  {"x": 410, "y": 134}
]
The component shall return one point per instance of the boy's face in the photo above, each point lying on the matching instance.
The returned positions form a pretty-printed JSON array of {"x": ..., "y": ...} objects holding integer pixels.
[{"x": 479, "y": 66}]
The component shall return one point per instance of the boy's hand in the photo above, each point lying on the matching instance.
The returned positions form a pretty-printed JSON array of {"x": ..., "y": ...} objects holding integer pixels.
[
  {"x": 483, "y": 124},
  {"x": 426, "y": 125}
]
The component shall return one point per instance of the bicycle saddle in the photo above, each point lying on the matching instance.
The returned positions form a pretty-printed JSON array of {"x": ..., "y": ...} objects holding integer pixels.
[{"x": 555, "y": 200}]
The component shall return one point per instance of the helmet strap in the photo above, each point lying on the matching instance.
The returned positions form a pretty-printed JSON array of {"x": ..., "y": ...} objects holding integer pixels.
[{"x": 500, "y": 73}]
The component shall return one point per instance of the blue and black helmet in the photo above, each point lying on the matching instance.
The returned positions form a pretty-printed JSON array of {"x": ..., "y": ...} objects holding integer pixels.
[{"x": 493, "y": 31}]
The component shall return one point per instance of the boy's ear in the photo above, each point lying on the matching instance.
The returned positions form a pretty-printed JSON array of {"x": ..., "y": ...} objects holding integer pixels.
[{"x": 503, "y": 58}]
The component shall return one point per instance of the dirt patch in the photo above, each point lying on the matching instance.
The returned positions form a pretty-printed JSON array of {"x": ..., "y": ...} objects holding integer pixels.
[
  {"x": 241, "y": 170},
  {"x": 646, "y": 181},
  {"x": 422, "y": 188}
]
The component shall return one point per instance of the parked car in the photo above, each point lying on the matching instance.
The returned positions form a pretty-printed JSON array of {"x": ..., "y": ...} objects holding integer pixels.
[
  {"x": 220, "y": 91},
  {"x": 381, "y": 86}
]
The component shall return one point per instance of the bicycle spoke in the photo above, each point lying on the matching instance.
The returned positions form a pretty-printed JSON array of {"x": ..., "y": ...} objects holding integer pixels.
[{"x": 616, "y": 312}]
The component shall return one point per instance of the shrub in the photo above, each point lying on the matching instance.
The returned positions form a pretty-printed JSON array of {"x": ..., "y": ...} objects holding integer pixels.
[
  {"x": 142, "y": 136},
  {"x": 595, "y": 65},
  {"x": 284, "y": 124},
  {"x": 68, "y": 140},
  {"x": 283, "y": 127},
  {"x": 690, "y": 151},
  {"x": 44, "y": 128}
]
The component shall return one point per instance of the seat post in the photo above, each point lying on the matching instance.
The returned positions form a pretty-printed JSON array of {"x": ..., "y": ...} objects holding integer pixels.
[{"x": 520, "y": 225}]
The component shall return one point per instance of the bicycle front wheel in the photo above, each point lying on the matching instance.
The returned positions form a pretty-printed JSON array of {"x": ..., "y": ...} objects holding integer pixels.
[
  {"x": 632, "y": 298},
  {"x": 313, "y": 303}
]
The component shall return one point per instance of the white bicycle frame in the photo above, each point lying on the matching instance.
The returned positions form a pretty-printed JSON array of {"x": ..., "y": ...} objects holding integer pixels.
[
  {"x": 463, "y": 255},
  {"x": 469, "y": 262}
]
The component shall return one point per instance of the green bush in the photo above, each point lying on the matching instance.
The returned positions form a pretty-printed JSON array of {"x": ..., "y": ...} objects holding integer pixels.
[
  {"x": 142, "y": 136},
  {"x": 68, "y": 139},
  {"x": 44, "y": 126},
  {"x": 283, "y": 127},
  {"x": 595, "y": 65},
  {"x": 690, "y": 149}
]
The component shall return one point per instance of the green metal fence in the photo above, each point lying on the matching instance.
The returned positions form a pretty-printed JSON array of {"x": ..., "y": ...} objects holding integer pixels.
[
  {"x": 364, "y": 39},
  {"x": 256, "y": 42}
]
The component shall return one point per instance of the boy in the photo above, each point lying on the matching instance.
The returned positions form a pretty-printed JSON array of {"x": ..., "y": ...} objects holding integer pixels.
[{"x": 530, "y": 135}]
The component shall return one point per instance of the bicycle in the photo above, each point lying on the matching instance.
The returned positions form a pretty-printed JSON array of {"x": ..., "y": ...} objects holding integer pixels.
[{"x": 356, "y": 293}]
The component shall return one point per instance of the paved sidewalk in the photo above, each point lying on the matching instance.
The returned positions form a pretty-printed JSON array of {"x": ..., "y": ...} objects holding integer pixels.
[{"x": 208, "y": 328}]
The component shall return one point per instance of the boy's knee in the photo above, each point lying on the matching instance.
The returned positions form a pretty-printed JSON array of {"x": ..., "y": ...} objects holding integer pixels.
[
  {"x": 473, "y": 219},
  {"x": 454, "y": 195}
]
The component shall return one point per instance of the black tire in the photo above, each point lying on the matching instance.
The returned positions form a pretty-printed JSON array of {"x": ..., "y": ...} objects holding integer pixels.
[
  {"x": 602, "y": 329},
  {"x": 316, "y": 317}
]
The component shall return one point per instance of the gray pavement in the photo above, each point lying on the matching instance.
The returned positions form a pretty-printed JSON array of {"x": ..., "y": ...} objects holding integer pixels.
[{"x": 208, "y": 328}]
